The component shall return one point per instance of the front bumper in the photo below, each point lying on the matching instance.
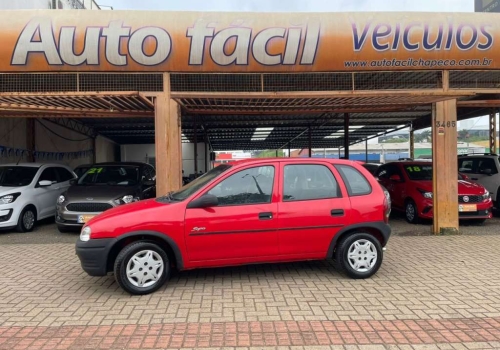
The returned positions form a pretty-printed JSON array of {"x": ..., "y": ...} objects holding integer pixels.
[
  {"x": 484, "y": 211},
  {"x": 8, "y": 217},
  {"x": 93, "y": 255},
  {"x": 69, "y": 219}
]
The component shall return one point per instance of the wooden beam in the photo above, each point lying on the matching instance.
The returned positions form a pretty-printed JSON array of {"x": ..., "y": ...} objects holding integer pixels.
[
  {"x": 324, "y": 94},
  {"x": 167, "y": 142},
  {"x": 302, "y": 110},
  {"x": 444, "y": 158},
  {"x": 479, "y": 103},
  {"x": 493, "y": 132}
]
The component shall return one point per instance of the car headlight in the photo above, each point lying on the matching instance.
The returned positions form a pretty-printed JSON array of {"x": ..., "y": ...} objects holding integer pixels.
[
  {"x": 9, "y": 198},
  {"x": 125, "y": 200},
  {"x": 426, "y": 194},
  {"x": 486, "y": 195},
  {"x": 85, "y": 234},
  {"x": 61, "y": 199}
]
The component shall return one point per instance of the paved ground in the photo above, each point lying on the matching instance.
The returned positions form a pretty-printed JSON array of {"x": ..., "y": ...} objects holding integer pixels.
[{"x": 431, "y": 293}]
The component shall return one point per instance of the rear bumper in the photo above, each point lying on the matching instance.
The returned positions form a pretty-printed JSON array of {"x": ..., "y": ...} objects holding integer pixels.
[{"x": 93, "y": 255}]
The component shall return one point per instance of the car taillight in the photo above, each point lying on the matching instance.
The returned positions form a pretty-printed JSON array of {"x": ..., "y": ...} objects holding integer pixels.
[{"x": 387, "y": 205}]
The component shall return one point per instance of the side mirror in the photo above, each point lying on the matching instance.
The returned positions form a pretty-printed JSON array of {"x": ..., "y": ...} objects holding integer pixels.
[
  {"x": 73, "y": 182},
  {"x": 45, "y": 183},
  {"x": 206, "y": 201},
  {"x": 395, "y": 178},
  {"x": 149, "y": 183}
]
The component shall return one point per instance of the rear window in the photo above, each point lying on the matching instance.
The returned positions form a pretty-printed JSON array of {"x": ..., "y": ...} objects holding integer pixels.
[{"x": 356, "y": 183}]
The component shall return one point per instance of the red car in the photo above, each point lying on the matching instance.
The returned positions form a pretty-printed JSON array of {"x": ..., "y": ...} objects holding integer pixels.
[
  {"x": 410, "y": 187},
  {"x": 252, "y": 211}
]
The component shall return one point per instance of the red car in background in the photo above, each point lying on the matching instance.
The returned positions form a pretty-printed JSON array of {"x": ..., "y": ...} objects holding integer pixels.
[{"x": 410, "y": 186}]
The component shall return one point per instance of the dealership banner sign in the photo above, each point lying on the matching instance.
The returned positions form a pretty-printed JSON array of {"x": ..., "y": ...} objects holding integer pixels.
[{"x": 82, "y": 40}]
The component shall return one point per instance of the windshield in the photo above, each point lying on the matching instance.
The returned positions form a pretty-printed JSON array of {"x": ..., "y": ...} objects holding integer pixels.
[
  {"x": 419, "y": 172},
  {"x": 17, "y": 176},
  {"x": 111, "y": 175},
  {"x": 195, "y": 185}
]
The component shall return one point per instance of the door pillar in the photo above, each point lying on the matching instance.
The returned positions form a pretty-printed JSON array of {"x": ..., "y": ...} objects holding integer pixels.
[
  {"x": 168, "y": 150},
  {"x": 444, "y": 159}
]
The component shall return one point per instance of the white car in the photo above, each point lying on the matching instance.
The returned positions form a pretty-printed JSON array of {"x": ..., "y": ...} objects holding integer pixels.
[{"x": 29, "y": 191}]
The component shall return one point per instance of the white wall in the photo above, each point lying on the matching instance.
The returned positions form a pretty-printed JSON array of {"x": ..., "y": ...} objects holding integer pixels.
[
  {"x": 24, "y": 4},
  {"x": 138, "y": 153}
]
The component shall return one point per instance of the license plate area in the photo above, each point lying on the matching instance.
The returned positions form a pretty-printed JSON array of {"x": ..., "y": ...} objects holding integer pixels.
[
  {"x": 466, "y": 208},
  {"x": 83, "y": 219}
]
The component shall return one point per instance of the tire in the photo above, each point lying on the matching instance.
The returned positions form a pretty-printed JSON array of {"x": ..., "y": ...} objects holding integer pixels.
[
  {"x": 347, "y": 255},
  {"x": 27, "y": 220},
  {"x": 144, "y": 253},
  {"x": 411, "y": 207},
  {"x": 63, "y": 229}
]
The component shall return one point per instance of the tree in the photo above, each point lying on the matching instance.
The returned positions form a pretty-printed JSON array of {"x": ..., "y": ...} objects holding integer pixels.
[
  {"x": 269, "y": 153},
  {"x": 463, "y": 135},
  {"x": 424, "y": 136}
]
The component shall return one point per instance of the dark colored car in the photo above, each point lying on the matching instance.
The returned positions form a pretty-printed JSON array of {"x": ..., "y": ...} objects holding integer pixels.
[
  {"x": 410, "y": 186},
  {"x": 371, "y": 167},
  {"x": 251, "y": 211},
  {"x": 102, "y": 187},
  {"x": 82, "y": 169}
]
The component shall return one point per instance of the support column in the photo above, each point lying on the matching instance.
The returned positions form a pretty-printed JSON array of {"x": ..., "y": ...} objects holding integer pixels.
[
  {"x": 444, "y": 159},
  {"x": 366, "y": 151},
  {"x": 310, "y": 142},
  {"x": 493, "y": 132},
  {"x": 30, "y": 138},
  {"x": 412, "y": 143},
  {"x": 94, "y": 150},
  {"x": 167, "y": 141},
  {"x": 206, "y": 156},
  {"x": 289, "y": 151},
  {"x": 195, "y": 130},
  {"x": 346, "y": 135},
  {"x": 276, "y": 153}
]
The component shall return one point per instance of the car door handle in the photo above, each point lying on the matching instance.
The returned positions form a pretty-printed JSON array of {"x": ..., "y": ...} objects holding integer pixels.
[
  {"x": 265, "y": 216},
  {"x": 337, "y": 212}
]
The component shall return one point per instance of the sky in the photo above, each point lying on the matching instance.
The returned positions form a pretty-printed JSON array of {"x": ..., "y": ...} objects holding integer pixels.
[
  {"x": 302, "y": 6},
  {"x": 294, "y": 5}
]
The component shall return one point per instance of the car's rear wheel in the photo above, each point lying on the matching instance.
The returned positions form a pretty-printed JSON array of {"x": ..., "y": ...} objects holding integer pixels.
[
  {"x": 142, "y": 268},
  {"x": 359, "y": 255},
  {"x": 411, "y": 212},
  {"x": 27, "y": 220}
]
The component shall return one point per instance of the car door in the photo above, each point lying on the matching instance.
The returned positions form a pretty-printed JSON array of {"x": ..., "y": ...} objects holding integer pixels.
[
  {"x": 45, "y": 197},
  {"x": 243, "y": 225},
  {"x": 311, "y": 211},
  {"x": 485, "y": 172}
]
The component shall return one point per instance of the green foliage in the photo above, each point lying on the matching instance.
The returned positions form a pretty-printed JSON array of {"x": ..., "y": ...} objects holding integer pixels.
[{"x": 270, "y": 153}]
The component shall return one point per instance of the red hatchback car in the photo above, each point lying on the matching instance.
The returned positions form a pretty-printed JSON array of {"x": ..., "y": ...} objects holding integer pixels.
[
  {"x": 252, "y": 211},
  {"x": 410, "y": 186}
]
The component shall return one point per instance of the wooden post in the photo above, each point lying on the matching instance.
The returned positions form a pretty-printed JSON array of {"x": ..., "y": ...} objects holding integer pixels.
[
  {"x": 444, "y": 159},
  {"x": 493, "y": 132},
  {"x": 310, "y": 142},
  {"x": 195, "y": 148},
  {"x": 167, "y": 141},
  {"x": 30, "y": 139},
  {"x": 346, "y": 135},
  {"x": 412, "y": 143}
]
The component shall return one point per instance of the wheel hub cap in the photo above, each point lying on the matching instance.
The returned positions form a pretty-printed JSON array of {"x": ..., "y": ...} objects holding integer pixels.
[
  {"x": 28, "y": 220},
  {"x": 145, "y": 268},
  {"x": 362, "y": 255}
]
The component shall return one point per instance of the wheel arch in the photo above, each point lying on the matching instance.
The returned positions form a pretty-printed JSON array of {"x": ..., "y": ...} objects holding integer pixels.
[
  {"x": 165, "y": 242},
  {"x": 379, "y": 230},
  {"x": 30, "y": 205}
]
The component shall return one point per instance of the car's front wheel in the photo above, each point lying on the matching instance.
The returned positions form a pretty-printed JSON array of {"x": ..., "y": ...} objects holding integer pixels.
[
  {"x": 359, "y": 255},
  {"x": 142, "y": 268},
  {"x": 27, "y": 220},
  {"x": 411, "y": 212}
]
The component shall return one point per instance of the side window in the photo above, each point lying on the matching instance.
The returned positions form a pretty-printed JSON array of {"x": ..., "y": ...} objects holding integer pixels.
[
  {"x": 48, "y": 174},
  {"x": 64, "y": 175},
  {"x": 356, "y": 183},
  {"x": 309, "y": 182},
  {"x": 487, "y": 166},
  {"x": 249, "y": 186},
  {"x": 466, "y": 165}
]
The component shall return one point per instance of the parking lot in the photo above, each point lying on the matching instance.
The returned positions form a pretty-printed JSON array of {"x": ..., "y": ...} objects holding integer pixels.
[{"x": 429, "y": 291}]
